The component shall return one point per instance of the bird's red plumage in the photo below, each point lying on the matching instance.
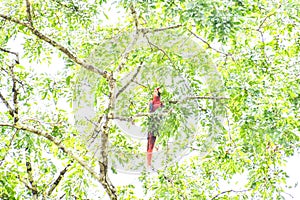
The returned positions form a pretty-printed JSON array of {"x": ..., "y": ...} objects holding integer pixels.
[{"x": 154, "y": 105}]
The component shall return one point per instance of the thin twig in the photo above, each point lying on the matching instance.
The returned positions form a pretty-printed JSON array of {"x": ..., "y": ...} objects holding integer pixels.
[
  {"x": 10, "y": 110},
  {"x": 160, "y": 49},
  {"x": 58, "y": 179},
  {"x": 97, "y": 128},
  {"x": 167, "y": 28},
  {"x": 128, "y": 49},
  {"x": 134, "y": 81},
  {"x": 138, "y": 115},
  {"x": 8, "y": 146},
  {"x": 208, "y": 45},
  {"x": 7, "y": 73},
  {"x": 229, "y": 191},
  {"x": 288, "y": 194},
  {"x": 131, "y": 80},
  {"x": 130, "y": 46},
  {"x": 145, "y": 30},
  {"x": 259, "y": 29},
  {"x": 268, "y": 16},
  {"x": 8, "y": 51},
  {"x": 197, "y": 97}
]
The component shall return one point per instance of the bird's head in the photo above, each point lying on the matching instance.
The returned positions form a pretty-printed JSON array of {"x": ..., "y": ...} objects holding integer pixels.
[{"x": 157, "y": 92}]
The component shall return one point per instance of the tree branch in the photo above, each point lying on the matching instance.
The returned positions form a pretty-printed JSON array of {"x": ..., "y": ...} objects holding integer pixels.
[
  {"x": 7, "y": 73},
  {"x": 10, "y": 110},
  {"x": 195, "y": 98},
  {"x": 165, "y": 28},
  {"x": 128, "y": 49},
  {"x": 8, "y": 51},
  {"x": 268, "y": 16},
  {"x": 56, "y": 45},
  {"x": 15, "y": 91},
  {"x": 160, "y": 49},
  {"x": 150, "y": 30},
  {"x": 136, "y": 21},
  {"x": 229, "y": 191},
  {"x": 58, "y": 179},
  {"x": 134, "y": 81},
  {"x": 103, "y": 164},
  {"x": 103, "y": 130},
  {"x": 27, "y": 185},
  {"x": 131, "y": 118},
  {"x": 208, "y": 45},
  {"x": 8, "y": 146},
  {"x": 259, "y": 29},
  {"x": 30, "y": 175},
  {"x": 28, "y": 11},
  {"x": 63, "y": 148},
  {"x": 130, "y": 81}
]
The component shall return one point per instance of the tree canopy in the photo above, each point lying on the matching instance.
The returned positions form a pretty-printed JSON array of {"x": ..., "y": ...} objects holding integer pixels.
[{"x": 229, "y": 73}]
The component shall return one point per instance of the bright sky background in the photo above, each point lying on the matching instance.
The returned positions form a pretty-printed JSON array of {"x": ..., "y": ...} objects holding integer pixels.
[{"x": 292, "y": 166}]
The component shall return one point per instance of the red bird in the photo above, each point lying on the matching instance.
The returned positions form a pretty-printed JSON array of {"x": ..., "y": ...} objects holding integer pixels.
[{"x": 153, "y": 124}]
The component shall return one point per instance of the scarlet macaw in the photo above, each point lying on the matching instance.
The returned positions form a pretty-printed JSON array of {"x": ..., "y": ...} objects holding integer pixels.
[{"x": 153, "y": 124}]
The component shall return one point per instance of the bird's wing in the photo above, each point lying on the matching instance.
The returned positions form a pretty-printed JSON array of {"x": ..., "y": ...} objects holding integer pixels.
[{"x": 150, "y": 106}]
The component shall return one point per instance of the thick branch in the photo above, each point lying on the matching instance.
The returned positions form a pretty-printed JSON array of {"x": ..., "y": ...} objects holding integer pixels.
[
  {"x": 15, "y": 91},
  {"x": 109, "y": 187},
  {"x": 30, "y": 175},
  {"x": 136, "y": 21},
  {"x": 102, "y": 128},
  {"x": 56, "y": 45},
  {"x": 28, "y": 11}
]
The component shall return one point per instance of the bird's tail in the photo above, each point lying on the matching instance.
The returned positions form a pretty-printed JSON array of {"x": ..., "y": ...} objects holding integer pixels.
[{"x": 150, "y": 147}]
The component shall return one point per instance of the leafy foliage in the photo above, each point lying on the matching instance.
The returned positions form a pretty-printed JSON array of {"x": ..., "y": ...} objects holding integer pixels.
[{"x": 247, "y": 51}]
